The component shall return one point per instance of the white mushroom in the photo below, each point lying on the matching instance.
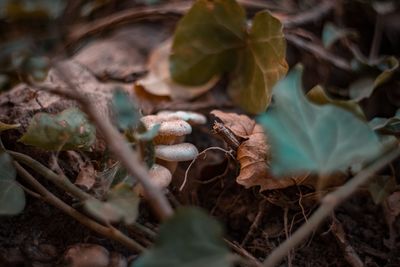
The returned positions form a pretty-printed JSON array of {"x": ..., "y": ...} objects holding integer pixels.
[
  {"x": 178, "y": 152},
  {"x": 171, "y": 131},
  {"x": 169, "y": 150},
  {"x": 160, "y": 176},
  {"x": 190, "y": 117}
]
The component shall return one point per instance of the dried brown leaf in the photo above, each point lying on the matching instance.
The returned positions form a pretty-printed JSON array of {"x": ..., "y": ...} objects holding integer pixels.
[
  {"x": 158, "y": 81},
  {"x": 86, "y": 177},
  {"x": 253, "y": 153}
]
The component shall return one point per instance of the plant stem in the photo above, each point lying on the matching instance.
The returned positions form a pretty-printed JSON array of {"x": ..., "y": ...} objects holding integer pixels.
[
  {"x": 60, "y": 181},
  {"x": 328, "y": 204},
  {"x": 51, "y": 199}
]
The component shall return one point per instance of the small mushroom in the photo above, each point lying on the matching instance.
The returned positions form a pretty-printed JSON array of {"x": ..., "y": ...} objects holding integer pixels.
[
  {"x": 171, "y": 131},
  {"x": 190, "y": 117},
  {"x": 177, "y": 152},
  {"x": 160, "y": 176},
  {"x": 169, "y": 149},
  {"x": 86, "y": 255}
]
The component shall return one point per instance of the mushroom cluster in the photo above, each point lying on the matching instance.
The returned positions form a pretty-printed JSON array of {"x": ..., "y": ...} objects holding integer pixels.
[{"x": 169, "y": 144}]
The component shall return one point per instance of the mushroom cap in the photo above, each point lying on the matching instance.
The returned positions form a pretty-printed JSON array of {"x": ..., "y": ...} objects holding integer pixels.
[
  {"x": 178, "y": 152},
  {"x": 189, "y": 116},
  {"x": 86, "y": 255},
  {"x": 171, "y": 127},
  {"x": 160, "y": 177}
]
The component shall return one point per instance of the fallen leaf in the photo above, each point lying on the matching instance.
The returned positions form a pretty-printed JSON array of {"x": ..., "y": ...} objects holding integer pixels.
[
  {"x": 12, "y": 197},
  {"x": 261, "y": 64},
  {"x": 67, "y": 130},
  {"x": 159, "y": 82},
  {"x": 365, "y": 86},
  {"x": 122, "y": 205},
  {"x": 388, "y": 126},
  {"x": 381, "y": 187},
  {"x": 206, "y": 41},
  {"x": 307, "y": 137},
  {"x": 318, "y": 96},
  {"x": 86, "y": 177},
  {"x": 5, "y": 126},
  {"x": 253, "y": 153},
  {"x": 189, "y": 238},
  {"x": 122, "y": 55},
  {"x": 213, "y": 39}
]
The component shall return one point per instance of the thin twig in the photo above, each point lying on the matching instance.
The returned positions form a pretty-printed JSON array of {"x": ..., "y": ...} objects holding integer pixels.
[
  {"x": 310, "y": 15},
  {"x": 127, "y": 16},
  {"x": 244, "y": 253},
  {"x": 318, "y": 51},
  {"x": 198, "y": 155},
  {"x": 51, "y": 199},
  {"x": 350, "y": 254},
  {"x": 60, "y": 181},
  {"x": 116, "y": 143},
  {"x": 328, "y": 204},
  {"x": 256, "y": 222}
]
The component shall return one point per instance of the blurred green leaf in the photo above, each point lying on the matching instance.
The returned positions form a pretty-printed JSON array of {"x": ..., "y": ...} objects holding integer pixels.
[
  {"x": 127, "y": 114},
  {"x": 331, "y": 34},
  {"x": 381, "y": 187},
  {"x": 189, "y": 238},
  {"x": 261, "y": 64},
  {"x": 17, "y": 61},
  {"x": 69, "y": 129},
  {"x": 12, "y": 197},
  {"x": 148, "y": 135},
  {"x": 318, "y": 96},
  {"x": 306, "y": 137},
  {"x": 206, "y": 41},
  {"x": 122, "y": 205}
]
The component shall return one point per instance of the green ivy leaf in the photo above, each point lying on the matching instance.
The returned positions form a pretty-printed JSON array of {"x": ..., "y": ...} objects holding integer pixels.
[
  {"x": 306, "y": 137},
  {"x": 122, "y": 205},
  {"x": 261, "y": 64},
  {"x": 125, "y": 110},
  {"x": 206, "y": 41},
  {"x": 189, "y": 238},
  {"x": 331, "y": 34},
  {"x": 12, "y": 197},
  {"x": 212, "y": 39},
  {"x": 67, "y": 130}
]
